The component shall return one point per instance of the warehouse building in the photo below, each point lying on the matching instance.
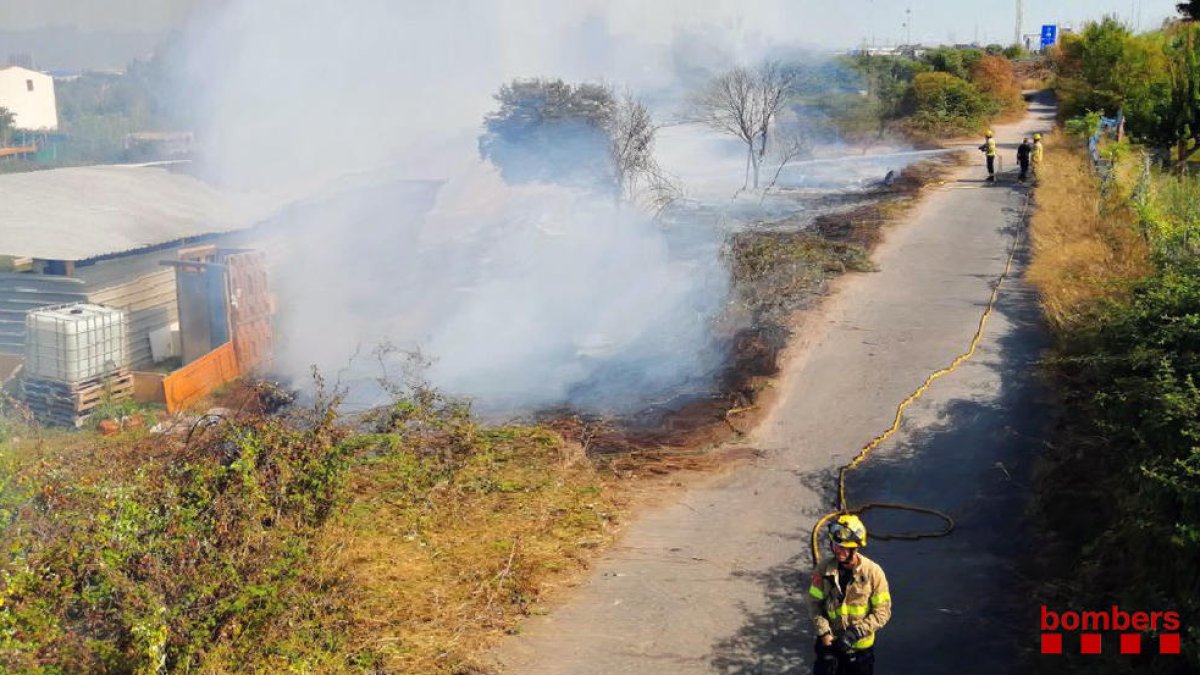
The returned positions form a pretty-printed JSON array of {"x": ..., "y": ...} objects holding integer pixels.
[{"x": 99, "y": 234}]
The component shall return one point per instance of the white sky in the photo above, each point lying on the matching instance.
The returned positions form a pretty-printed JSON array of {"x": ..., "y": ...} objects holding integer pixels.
[
  {"x": 840, "y": 24},
  {"x": 847, "y": 23}
]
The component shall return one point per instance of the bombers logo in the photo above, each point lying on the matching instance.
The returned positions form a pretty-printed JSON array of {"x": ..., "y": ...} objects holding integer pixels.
[{"x": 1091, "y": 625}]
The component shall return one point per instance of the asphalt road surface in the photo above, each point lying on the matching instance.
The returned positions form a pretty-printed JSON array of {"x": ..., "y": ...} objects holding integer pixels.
[{"x": 714, "y": 581}]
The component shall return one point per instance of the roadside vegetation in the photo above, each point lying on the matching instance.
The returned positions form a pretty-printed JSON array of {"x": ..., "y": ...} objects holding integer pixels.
[
  {"x": 947, "y": 91},
  {"x": 290, "y": 543},
  {"x": 1115, "y": 246}
]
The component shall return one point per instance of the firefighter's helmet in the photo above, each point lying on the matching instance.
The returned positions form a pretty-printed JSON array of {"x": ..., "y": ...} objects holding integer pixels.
[{"x": 848, "y": 531}]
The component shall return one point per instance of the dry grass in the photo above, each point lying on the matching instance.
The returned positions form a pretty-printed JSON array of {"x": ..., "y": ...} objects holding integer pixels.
[
  {"x": 444, "y": 541},
  {"x": 436, "y": 567},
  {"x": 1085, "y": 250}
]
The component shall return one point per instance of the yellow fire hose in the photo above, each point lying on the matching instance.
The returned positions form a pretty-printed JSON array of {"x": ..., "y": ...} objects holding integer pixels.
[{"x": 866, "y": 450}]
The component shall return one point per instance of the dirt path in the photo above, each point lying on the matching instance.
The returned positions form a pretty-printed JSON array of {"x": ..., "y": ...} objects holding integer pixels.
[{"x": 713, "y": 582}]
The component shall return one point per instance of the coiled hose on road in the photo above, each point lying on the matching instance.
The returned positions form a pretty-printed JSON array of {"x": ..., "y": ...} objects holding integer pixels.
[{"x": 865, "y": 451}]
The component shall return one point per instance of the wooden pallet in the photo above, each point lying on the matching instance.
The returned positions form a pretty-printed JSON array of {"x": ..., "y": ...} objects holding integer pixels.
[{"x": 70, "y": 403}]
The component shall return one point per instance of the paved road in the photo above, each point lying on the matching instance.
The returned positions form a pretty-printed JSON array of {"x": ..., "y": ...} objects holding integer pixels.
[{"x": 713, "y": 583}]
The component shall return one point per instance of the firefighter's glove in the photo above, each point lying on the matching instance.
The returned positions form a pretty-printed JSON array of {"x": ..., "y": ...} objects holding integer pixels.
[{"x": 846, "y": 641}]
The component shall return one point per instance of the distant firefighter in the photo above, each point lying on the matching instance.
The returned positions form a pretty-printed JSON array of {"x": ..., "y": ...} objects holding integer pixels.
[
  {"x": 1036, "y": 155},
  {"x": 989, "y": 149},
  {"x": 1023, "y": 152}
]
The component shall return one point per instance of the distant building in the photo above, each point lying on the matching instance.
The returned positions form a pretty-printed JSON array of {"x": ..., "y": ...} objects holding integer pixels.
[
  {"x": 875, "y": 51},
  {"x": 910, "y": 51},
  {"x": 29, "y": 95}
]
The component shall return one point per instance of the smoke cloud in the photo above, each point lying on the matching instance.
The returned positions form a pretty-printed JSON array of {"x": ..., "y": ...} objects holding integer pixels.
[{"x": 364, "y": 117}]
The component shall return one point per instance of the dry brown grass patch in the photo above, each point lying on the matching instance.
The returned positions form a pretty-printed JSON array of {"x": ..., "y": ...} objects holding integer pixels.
[
  {"x": 1085, "y": 249},
  {"x": 437, "y": 563}
]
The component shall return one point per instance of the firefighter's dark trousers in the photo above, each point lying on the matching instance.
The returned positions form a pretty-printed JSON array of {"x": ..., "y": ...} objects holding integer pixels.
[
  {"x": 832, "y": 662},
  {"x": 991, "y": 162},
  {"x": 1024, "y": 172}
]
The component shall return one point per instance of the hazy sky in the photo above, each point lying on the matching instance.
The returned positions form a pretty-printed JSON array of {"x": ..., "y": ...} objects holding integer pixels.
[
  {"x": 104, "y": 15},
  {"x": 838, "y": 24}
]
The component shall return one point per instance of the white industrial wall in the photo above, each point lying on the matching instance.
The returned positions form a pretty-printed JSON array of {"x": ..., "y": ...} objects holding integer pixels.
[
  {"x": 142, "y": 287},
  {"x": 34, "y": 110}
]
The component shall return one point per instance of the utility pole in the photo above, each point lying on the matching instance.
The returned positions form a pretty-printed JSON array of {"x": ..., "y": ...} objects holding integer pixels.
[
  {"x": 908, "y": 26},
  {"x": 1020, "y": 20}
]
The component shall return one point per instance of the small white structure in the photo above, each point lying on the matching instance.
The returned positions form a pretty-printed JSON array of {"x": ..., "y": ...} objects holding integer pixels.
[{"x": 29, "y": 95}]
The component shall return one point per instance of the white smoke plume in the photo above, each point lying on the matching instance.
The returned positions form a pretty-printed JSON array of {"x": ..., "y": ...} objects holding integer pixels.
[{"x": 365, "y": 115}]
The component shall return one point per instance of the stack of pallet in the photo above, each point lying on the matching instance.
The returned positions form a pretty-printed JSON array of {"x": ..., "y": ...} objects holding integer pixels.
[
  {"x": 71, "y": 403},
  {"x": 75, "y": 362}
]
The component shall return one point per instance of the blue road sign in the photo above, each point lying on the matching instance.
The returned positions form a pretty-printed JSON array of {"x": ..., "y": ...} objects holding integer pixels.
[{"x": 1049, "y": 35}]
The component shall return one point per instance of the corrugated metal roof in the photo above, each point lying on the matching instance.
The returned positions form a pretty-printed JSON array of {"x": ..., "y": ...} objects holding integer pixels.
[{"x": 86, "y": 212}]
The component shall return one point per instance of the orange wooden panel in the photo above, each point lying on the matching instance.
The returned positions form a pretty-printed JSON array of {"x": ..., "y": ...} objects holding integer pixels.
[
  {"x": 200, "y": 377},
  {"x": 19, "y": 150}
]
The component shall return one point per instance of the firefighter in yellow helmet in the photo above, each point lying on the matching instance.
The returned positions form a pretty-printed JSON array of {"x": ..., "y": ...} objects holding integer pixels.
[
  {"x": 848, "y": 601},
  {"x": 1036, "y": 155},
  {"x": 989, "y": 149}
]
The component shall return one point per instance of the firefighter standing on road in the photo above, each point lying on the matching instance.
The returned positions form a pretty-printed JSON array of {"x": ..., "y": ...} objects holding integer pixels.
[
  {"x": 1037, "y": 155},
  {"x": 989, "y": 148},
  {"x": 849, "y": 602},
  {"x": 1023, "y": 151}
]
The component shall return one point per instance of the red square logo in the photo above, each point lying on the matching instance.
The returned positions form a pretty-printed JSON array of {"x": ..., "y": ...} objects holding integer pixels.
[
  {"x": 1051, "y": 643},
  {"x": 1168, "y": 643},
  {"x": 1089, "y": 643},
  {"x": 1131, "y": 643}
]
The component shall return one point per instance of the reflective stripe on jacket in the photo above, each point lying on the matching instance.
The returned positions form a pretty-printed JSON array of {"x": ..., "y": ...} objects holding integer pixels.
[{"x": 866, "y": 604}]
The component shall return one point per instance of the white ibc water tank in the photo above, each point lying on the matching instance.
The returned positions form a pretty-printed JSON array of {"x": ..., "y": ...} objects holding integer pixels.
[{"x": 73, "y": 343}]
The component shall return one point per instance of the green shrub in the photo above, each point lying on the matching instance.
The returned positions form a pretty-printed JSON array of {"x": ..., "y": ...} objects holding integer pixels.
[
  {"x": 1084, "y": 126},
  {"x": 148, "y": 560},
  {"x": 944, "y": 103},
  {"x": 953, "y": 61}
]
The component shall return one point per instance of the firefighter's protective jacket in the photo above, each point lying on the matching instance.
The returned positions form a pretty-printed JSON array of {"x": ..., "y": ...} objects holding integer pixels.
[
  {"x": 864, "y": 604},
  {"x": 989, "y": 147},
  {"x": 1037, "y": 152}
]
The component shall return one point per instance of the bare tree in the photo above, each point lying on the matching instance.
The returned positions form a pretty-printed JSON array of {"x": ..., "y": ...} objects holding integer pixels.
[
  {"x": 773, "y": 86},
  {"x": 631, "y": 143},
  {"x": 639, "y": 177},
  {"x": 744, "y": 103}
]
